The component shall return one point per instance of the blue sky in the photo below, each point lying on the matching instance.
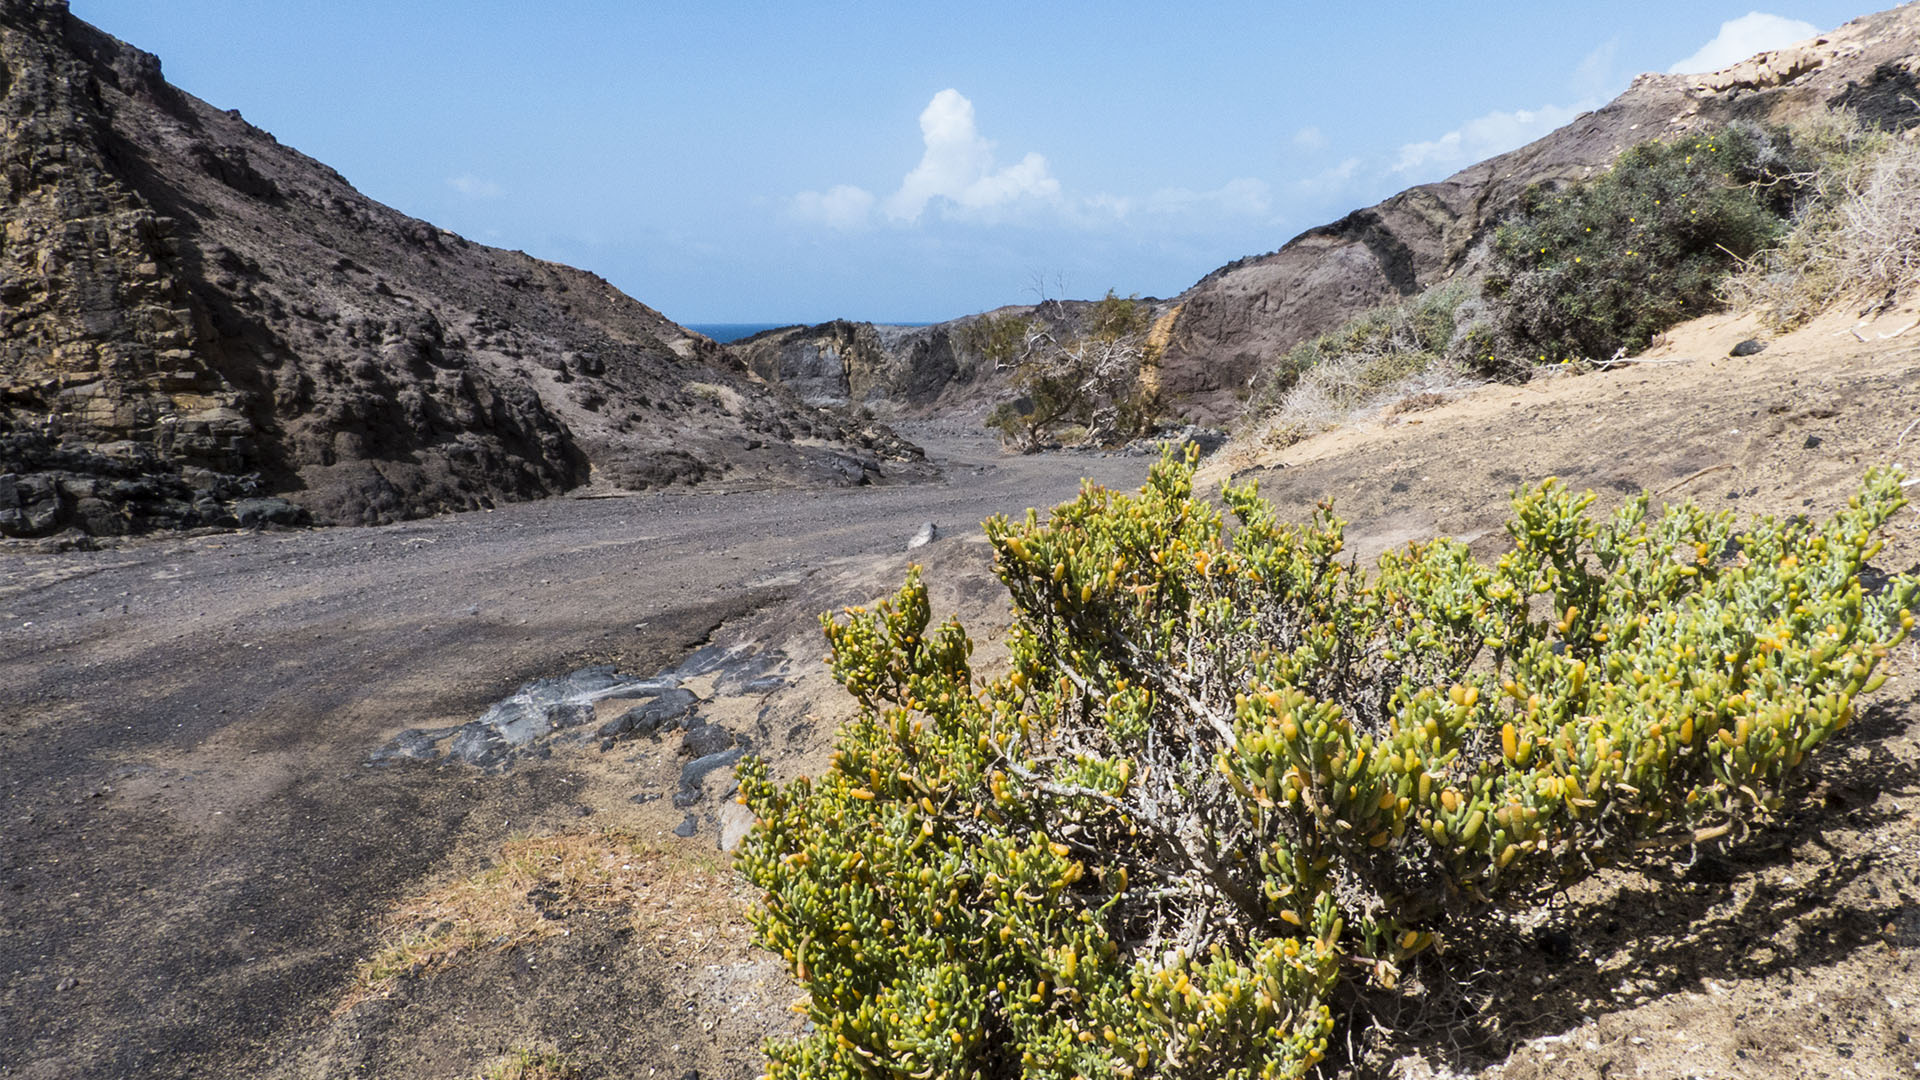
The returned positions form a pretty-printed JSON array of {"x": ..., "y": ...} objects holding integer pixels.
[{"x": 761, "y": 162}]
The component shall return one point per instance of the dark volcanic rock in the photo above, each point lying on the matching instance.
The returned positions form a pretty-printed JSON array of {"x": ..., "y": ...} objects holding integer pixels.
[
  {"x": 693, "y": 775},
  {"x": 561, "y": 711},
  {"x": 668, "y": 709},
  {"x": 193, "y": 314},
  {"x": 899, "y": 370},
  {"x": 705, "y": 740}
]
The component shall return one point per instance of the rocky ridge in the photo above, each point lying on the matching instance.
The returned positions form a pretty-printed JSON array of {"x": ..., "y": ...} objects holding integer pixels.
[
  {"x": 1250, "y": 311},
  {"x": 904, "y": 371},
  {"x": 200, "y": 326},
  {"x": 1220, "y": 332}
]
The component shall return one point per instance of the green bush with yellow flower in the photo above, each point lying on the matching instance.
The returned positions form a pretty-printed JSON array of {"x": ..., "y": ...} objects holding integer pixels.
[
  {"x": 1595, "y": 268},
  {"x": 1231, "y": 776}
]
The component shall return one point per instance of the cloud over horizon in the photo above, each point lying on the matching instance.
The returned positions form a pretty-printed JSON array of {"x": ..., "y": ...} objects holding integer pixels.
[
  {"x": 1740, "y": 38},
  {"x": 959, "y": 178},
  {"x": 1590, "y": 83},
  {"x": 958, "y": 166},
  {"x": 474, "y": 187},
  {"x": 1485, "y": 136},
  {"x": 842, "y": 206},
  {"x": 957, "y": 171}
]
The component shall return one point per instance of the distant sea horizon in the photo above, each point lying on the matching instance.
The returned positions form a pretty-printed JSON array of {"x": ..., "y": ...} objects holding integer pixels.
[{"x": 723, "y": 332}]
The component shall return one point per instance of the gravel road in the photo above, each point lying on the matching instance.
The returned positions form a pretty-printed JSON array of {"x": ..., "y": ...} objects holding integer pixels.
[{"x": 195, "y": 850}]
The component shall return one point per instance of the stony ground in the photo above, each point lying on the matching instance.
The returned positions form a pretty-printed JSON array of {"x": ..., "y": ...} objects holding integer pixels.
[
  {"x": 197, "y": 852},
  {"x": 199, "y": 856}
]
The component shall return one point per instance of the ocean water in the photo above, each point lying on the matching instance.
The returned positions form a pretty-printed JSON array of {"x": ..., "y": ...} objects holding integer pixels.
[{"x": 724, "y": 332}]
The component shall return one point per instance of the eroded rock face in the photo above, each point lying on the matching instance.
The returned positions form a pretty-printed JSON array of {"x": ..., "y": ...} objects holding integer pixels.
[
  {"x": 1246, "y": 314},
  {"x": 841, "y": 362},
  {"x": 900, "y": 370},
  {"x": 192, "y": 314}
]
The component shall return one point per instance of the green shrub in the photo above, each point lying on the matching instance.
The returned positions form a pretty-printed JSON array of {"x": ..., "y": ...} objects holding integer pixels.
[
  {"x": 1091, "y": 380},
  {"x": 999, "y": 338},
  {"x": 1228, "y": 772},
  {"x": 1602, "y": 265},
  {"x": 532, "y": 1063}
]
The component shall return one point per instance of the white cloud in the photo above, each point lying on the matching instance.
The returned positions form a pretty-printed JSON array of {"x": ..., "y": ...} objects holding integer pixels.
[
  {"x": 958, "y": 178},
  {"x": 1240, "y": 197},
  {"x": 1740, "y": 38},
  {"x": 1592, "y": 81},
  {"x": 1330, "y": 180},
  {"x": 1594, "y": 78},
  {"x": 1483, "y": 137},
  {"x": 842, "y": 206},
  {"x": 474, "y": 187},
  {"x": 958, "y": 166},
  {"x": 1243, "y": 196},
  {"x": 1310, "y": 139}
]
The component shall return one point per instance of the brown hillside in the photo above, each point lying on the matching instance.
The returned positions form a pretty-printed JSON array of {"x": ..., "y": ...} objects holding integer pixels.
[
  {"x": 194, "y": 314},
  {"x": 1246, "y": 313}
]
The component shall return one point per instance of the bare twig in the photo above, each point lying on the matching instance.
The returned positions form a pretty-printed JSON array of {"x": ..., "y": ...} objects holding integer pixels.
[
  {"x": 1685, "y": 480},
  {"x": 1605, "y": 364}
]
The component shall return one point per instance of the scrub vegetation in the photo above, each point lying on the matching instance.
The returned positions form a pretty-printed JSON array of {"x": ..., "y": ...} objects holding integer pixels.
[{"x": 1231, "y": 783}]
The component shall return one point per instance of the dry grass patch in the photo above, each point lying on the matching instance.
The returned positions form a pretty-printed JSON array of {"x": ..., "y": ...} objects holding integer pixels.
[
  {"x": 1420, "y": 402},
  {"x": 1346, "y": 387},
  {"x": 528, "y": 894},
  {"x": 1856, "y": 238},
  {"x": 726, "y": 397}
]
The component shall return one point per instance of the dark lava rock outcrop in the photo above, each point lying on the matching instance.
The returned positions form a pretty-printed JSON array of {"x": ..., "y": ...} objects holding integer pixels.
[
  {"x": 901, "y": 370},
  {"x": 193, "y": 315},
  {"x": 1243, "y": 315},
  {"x": 841, "y": 362}
]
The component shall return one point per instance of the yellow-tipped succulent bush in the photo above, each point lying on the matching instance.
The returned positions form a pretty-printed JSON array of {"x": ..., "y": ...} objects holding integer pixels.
[{"x": 1228, "y": 771}]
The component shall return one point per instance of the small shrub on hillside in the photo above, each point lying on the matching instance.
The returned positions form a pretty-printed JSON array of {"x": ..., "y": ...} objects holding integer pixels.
[
  {"x": 1389, "y": 353},
  {"x": 1374, "y": 351},
  {"x": 533, "y": 1063},
  {"x": 1857, "y": 234},
  {"x": 1092, "y": 381},
  {"x": 1600, "y": 266},
  {"x": 1228, "y": 772},
  {"x": 998, "y": 338}
]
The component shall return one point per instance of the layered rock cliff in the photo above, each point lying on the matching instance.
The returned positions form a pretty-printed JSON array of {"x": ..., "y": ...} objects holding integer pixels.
[
  {"x": 199, "y": 325},
  {"x": 1245, "y": 314}
]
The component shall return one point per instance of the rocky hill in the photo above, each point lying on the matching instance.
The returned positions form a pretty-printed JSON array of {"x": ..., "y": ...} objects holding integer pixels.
[
  {"x": 1221, "y": 331},
  {"x": 199, "y": 325},
  {"x": 901, "y": 370},
  {"x": 1242, "y": 315}
]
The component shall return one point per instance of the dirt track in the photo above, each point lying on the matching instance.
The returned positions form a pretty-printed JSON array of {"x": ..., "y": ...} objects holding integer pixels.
[{"x": 195, "y": 851}]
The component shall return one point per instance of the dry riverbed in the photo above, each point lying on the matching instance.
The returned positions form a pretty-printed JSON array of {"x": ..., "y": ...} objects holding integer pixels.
[{"x": 198, "y": 854}]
